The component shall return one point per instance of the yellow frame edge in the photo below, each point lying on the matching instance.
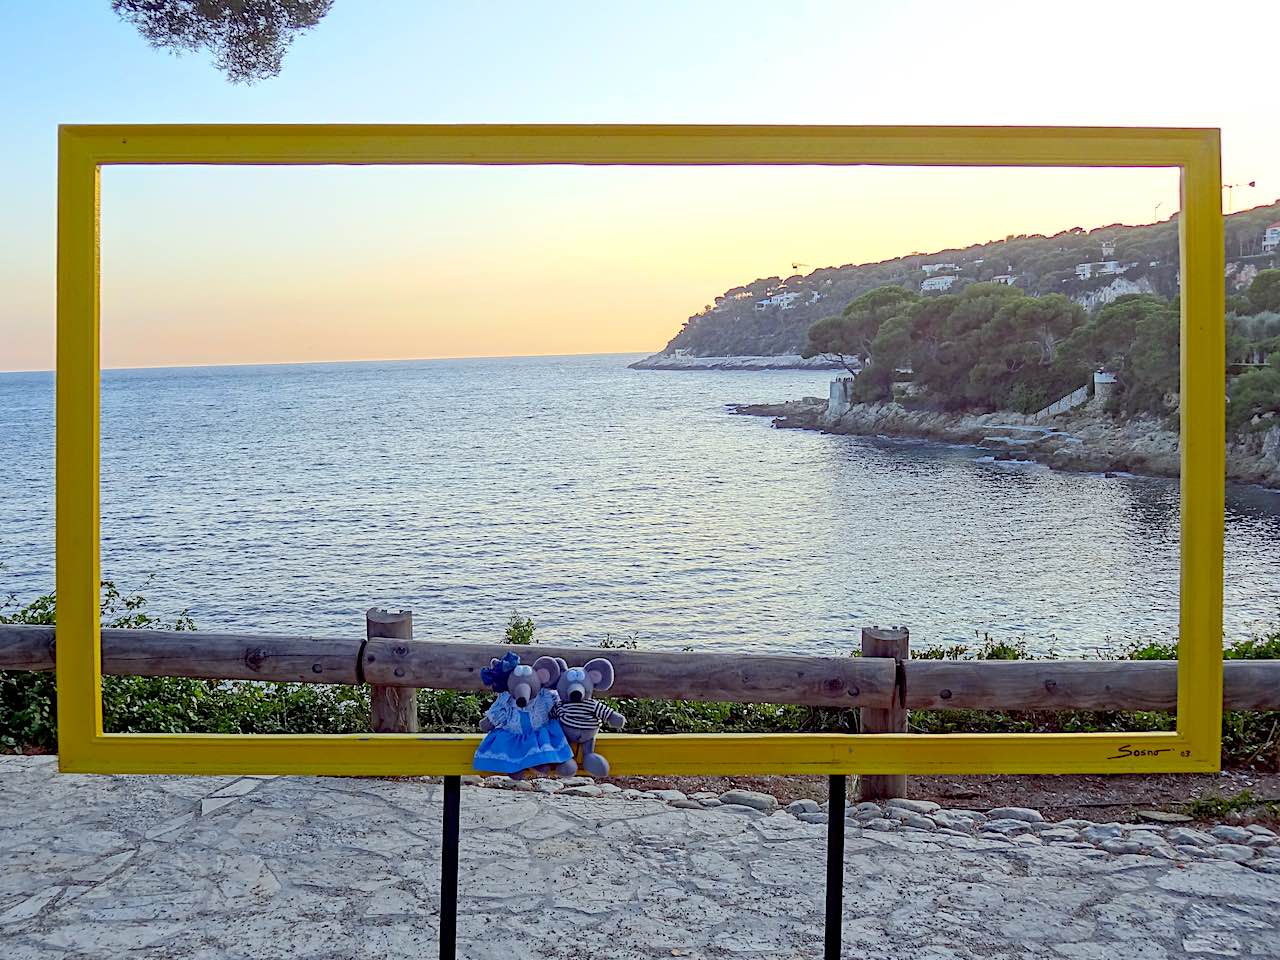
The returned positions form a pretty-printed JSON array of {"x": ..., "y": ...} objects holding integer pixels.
[{"x": 83, "y": 150}]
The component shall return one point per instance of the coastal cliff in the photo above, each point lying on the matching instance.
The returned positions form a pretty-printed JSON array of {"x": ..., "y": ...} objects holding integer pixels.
[{"x": 1083, "y": 441}]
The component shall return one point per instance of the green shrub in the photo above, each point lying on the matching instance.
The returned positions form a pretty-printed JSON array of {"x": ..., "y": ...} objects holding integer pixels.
[
  {"x": 1248, "y": 738},
  {"x": 28, "y": 715},
  {"x": 519, "y": 631},
  {"x": 1217, "y": 806}
]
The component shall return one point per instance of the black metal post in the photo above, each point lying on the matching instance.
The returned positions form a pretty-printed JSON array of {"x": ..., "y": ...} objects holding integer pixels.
[
  {"x": 449, "y": 870},
  {"x": 835, "y": 866}
]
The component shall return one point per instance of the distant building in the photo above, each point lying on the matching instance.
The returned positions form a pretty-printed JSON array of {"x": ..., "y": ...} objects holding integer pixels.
[
  {"x": 1005, "y": 278},
  {"x": 787, "y": 301},
  {"x": 931, "y": 268},
  {"x": 1104, "y": 385},
  {"x": 937, "y": 283},
  {"x": 1109, "y": 248},
  {"x": 1271, "y": 238},
  {"x": 1100, "y": 269},
  {"x": 840, "y": 396}
]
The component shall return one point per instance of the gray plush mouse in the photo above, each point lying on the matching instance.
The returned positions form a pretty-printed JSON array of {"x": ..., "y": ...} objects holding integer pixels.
[
  {"x": 580, "y": 714},
  {"x": 521, "y": 733}
]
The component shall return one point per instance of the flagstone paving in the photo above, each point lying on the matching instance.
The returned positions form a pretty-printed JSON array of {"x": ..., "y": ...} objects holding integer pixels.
[{"x": 304, "y": 867}]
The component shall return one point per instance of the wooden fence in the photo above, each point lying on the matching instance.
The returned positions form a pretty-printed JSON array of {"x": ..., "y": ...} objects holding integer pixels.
[{"x": 883, "y": 683}]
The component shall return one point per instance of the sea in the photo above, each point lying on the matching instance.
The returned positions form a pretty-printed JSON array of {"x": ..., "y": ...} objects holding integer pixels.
[{"x": 606, "y": 504}]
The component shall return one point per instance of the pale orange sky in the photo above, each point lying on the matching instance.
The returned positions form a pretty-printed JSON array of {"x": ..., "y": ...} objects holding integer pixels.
[
  {"x": 224, "y": 265},
  {"x": 212, "y": 265}
]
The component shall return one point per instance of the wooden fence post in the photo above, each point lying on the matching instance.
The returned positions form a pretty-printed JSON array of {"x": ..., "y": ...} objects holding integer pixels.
[
  {"x": 884, "y": 642},
  {"x": 391, "y": 709}
]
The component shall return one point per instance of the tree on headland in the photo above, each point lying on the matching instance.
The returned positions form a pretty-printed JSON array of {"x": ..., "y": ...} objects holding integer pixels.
[
  {"x": 1106, "y": 340},
  {"x": 1020, "y": 337},
  {"x": 1251, "y": 337},
  {"x": 1136, "y": 338},
  {"x": 832, "y": 337},
  {"x": 1255, "y": 393},
  {"x": 892, "y": 344},
  {"x": 989, "y": 346},
  {"x": 1153, "y": 373},
  {"x": 930, "y": 333},
  {"x": 1264, "y": 292},
  {"x": 248, "y": 38},
  {"x": 956, "y": 357},
  {"x": 849, "y": 336},
  {"x": 1042, "y": 322}
]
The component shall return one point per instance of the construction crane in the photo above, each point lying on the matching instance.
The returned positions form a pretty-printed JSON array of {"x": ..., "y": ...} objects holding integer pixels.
[{"x": 1230, "y": 188}]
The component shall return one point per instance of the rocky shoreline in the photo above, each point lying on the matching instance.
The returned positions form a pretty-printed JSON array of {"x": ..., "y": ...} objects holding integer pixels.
[{"x": 1082, "y": 441}]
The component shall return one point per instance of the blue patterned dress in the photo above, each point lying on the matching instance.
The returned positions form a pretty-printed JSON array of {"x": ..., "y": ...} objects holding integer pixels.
[{"x": 522, "y": 737}]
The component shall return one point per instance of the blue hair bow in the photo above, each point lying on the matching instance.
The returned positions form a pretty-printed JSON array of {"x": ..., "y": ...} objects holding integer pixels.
[{"x": 495, "y": 678}]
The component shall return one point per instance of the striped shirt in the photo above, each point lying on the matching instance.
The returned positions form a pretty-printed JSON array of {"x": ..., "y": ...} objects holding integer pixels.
[{"x": 582, "y": 715}]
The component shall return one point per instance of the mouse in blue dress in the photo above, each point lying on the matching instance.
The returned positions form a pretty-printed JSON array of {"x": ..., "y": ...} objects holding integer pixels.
[{"x": 521, "y": 734}]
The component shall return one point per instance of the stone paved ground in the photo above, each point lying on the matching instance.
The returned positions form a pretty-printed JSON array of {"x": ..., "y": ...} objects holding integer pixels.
[{"x": 307, "y": 867}]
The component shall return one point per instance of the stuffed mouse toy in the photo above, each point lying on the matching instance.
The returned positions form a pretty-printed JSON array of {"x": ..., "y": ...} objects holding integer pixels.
[
  {"x": 580, "y": 714},
  {"x": 521, "y": 733}
]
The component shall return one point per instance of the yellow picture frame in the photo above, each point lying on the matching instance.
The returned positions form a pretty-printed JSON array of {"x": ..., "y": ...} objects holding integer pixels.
[{"x": 83, "y": 150}]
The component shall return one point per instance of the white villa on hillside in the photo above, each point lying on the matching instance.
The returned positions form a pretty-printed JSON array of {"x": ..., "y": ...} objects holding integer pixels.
[
  {"x": 1086, "y": 270},
  {"x": 931, "y": 268},
  {"x": 1271, "y": 238},
  {"x": 937, "y": 283},
  {"x": 786, "y": 300},
  {"x": 1005, "y": 278}
]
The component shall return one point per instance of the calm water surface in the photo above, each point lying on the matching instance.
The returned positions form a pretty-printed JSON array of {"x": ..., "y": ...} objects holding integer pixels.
[{"x": 599, "y": 501}]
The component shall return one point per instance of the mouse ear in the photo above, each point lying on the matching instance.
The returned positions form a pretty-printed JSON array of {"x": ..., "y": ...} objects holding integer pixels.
[
  {"x": 600, "y": 671},
  {"x": 547, "y": 669}
]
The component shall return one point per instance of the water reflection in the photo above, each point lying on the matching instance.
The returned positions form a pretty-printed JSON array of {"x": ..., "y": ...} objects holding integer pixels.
[{"x": 600, "y": 501}]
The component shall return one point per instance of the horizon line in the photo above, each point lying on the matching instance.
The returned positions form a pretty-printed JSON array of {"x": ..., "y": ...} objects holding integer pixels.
[
  {"x": 1173, "y": 216},
  {"x": 300, "y": 363}
]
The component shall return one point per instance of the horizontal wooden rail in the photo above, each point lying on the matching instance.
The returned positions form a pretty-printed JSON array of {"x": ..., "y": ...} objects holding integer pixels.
[
  {"x": 754, "y": 678},
  {"x": 813, "y": 681},
  {"x": 1078, "y": 684},
  {"x": 745, "y": 678},
  {"x": 184, "y": 653}
]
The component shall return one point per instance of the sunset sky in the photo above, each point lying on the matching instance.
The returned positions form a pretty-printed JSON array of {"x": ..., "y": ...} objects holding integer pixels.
[{"x": 249, "y": 265}]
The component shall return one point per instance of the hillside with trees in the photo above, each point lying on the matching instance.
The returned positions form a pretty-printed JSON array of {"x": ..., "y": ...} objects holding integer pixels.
[
  {"x": 772, "y": 316},
  {"x": 995, "y": 347}
]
